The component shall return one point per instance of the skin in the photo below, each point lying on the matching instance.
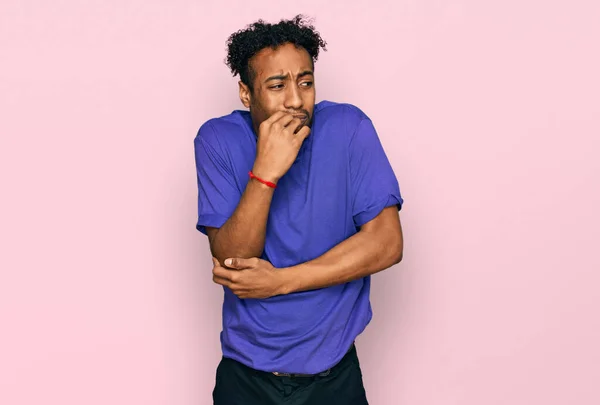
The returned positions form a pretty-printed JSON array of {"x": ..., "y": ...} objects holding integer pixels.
[
  {"x": 377, "y": 246},
  {"x": 281, "y": 104},
  {"x": 283, "y": 81}
]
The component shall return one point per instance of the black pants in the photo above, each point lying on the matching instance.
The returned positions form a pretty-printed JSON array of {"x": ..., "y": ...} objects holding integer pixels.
[{"x": 237, "y": 384}]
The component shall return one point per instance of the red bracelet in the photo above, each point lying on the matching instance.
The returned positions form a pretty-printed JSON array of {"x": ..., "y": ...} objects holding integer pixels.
[{"x": 268, "y": 183}]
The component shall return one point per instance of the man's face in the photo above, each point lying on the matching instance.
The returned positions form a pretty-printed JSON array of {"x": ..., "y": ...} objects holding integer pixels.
[{"x": 283, "y": 80}]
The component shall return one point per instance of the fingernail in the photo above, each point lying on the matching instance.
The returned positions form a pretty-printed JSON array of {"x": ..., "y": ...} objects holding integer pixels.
[{"x": 228, "y": 262}]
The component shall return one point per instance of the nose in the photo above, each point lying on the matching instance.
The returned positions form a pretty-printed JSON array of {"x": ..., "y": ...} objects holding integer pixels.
[{"x": 293, "y": 100}]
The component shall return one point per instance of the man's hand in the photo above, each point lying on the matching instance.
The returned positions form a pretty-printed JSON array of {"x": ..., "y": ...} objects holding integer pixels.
[
  {"x": 249, "y": 278},
  {"x": 279, "y": 140}
]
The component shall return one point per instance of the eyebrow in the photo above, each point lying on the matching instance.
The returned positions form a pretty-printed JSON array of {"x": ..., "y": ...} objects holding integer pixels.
[{"x": 283, "y": 77}]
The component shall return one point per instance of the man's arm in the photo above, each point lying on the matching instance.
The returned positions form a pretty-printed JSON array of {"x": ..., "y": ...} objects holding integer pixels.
[
  {"x": 243, "y": 235},
  {"x": 379, "y": 243},
  {"x": 377, "y": 246}
]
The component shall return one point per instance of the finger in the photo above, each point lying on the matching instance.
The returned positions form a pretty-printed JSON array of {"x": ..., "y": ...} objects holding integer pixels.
[
  {"x": 275, "y": 117},
  {"x": 239, "y": 263},
  {"x": 241, "y": 292},
  {"x": 216, "y": 262},
  {"x": 224, "y": 273},
  {"x": 222, "y": 281},
  {"x": 293, "y": 126},
  {"x": 285, "y": 121},
  {"x": 303, "y": 133}
]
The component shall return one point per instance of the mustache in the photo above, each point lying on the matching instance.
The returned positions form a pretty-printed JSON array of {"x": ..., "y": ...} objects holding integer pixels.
[{"x": 298, "y": 112}]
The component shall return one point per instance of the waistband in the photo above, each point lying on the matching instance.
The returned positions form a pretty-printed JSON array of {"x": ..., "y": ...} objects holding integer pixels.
[{"x": 325, "y": 373}]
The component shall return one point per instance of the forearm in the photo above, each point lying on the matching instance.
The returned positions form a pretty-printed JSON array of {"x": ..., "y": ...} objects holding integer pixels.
[
  {"x": 243, "y": 235},
  {"x": 363, "y": 254}
]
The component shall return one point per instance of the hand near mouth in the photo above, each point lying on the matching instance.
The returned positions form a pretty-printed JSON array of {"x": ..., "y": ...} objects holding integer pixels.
[{"x": 279, "y": 140}]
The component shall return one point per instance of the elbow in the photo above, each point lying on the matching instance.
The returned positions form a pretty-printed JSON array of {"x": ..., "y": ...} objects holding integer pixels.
[
  {"x": 396, "y": 250},
  {"x": 397, "y": 255},
  {"x": 236, "y": 253},
  {"x": 391, "y": 257},
  {"x": 390, "y": 249},
  {"x": 222, "y": 249},
  {"x": 244, "y": 252}
]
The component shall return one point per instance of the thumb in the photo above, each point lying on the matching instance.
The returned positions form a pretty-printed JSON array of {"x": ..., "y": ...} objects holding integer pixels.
[
  {"x": 238, "y": 263},
  {"x": 216, "y": 262}
]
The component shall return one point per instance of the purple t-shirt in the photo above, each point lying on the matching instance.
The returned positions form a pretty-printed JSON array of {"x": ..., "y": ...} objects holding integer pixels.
[{"x": 340, "y": 180}]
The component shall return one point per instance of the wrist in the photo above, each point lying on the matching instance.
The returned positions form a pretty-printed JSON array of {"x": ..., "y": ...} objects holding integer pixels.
[
  {"x": 265, "y": 183},
  {"x": 286, "y": 280},
  {"x": 265, "y": 175}
]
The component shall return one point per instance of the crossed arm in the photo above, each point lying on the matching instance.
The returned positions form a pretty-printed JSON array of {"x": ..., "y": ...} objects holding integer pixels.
[{"x": 377, "y": 246}]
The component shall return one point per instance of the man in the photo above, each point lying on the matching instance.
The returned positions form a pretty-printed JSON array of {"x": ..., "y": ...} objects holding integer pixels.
[{"x": 300, "y": 206}]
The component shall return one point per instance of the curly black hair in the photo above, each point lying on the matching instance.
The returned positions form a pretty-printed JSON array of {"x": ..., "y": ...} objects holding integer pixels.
[{"x": 244, "y": 44}]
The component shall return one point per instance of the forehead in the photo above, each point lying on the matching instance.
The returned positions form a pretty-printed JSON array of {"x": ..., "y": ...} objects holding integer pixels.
[{"x": 286, "y": 58}]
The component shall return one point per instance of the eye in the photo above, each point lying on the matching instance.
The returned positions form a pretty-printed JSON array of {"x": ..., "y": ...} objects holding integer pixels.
[
  {"x": 306, "y": 84},
  {"x": 276, "y": 87}
]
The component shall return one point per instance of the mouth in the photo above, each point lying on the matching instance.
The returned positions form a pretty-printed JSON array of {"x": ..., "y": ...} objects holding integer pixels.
[{"x": 303, "y": 121}]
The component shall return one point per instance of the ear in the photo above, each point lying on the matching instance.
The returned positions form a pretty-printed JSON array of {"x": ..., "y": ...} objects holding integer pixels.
[{"x": 245, "y": 95}]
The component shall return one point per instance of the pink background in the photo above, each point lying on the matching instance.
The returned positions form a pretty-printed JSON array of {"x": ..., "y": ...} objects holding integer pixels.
[{"x": 489, "y": 111}]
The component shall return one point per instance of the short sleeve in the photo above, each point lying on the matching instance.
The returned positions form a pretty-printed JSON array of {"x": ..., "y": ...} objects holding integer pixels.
[
  {"x": 374, "y": 183},
  {"x": 218, "y": 194}
]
